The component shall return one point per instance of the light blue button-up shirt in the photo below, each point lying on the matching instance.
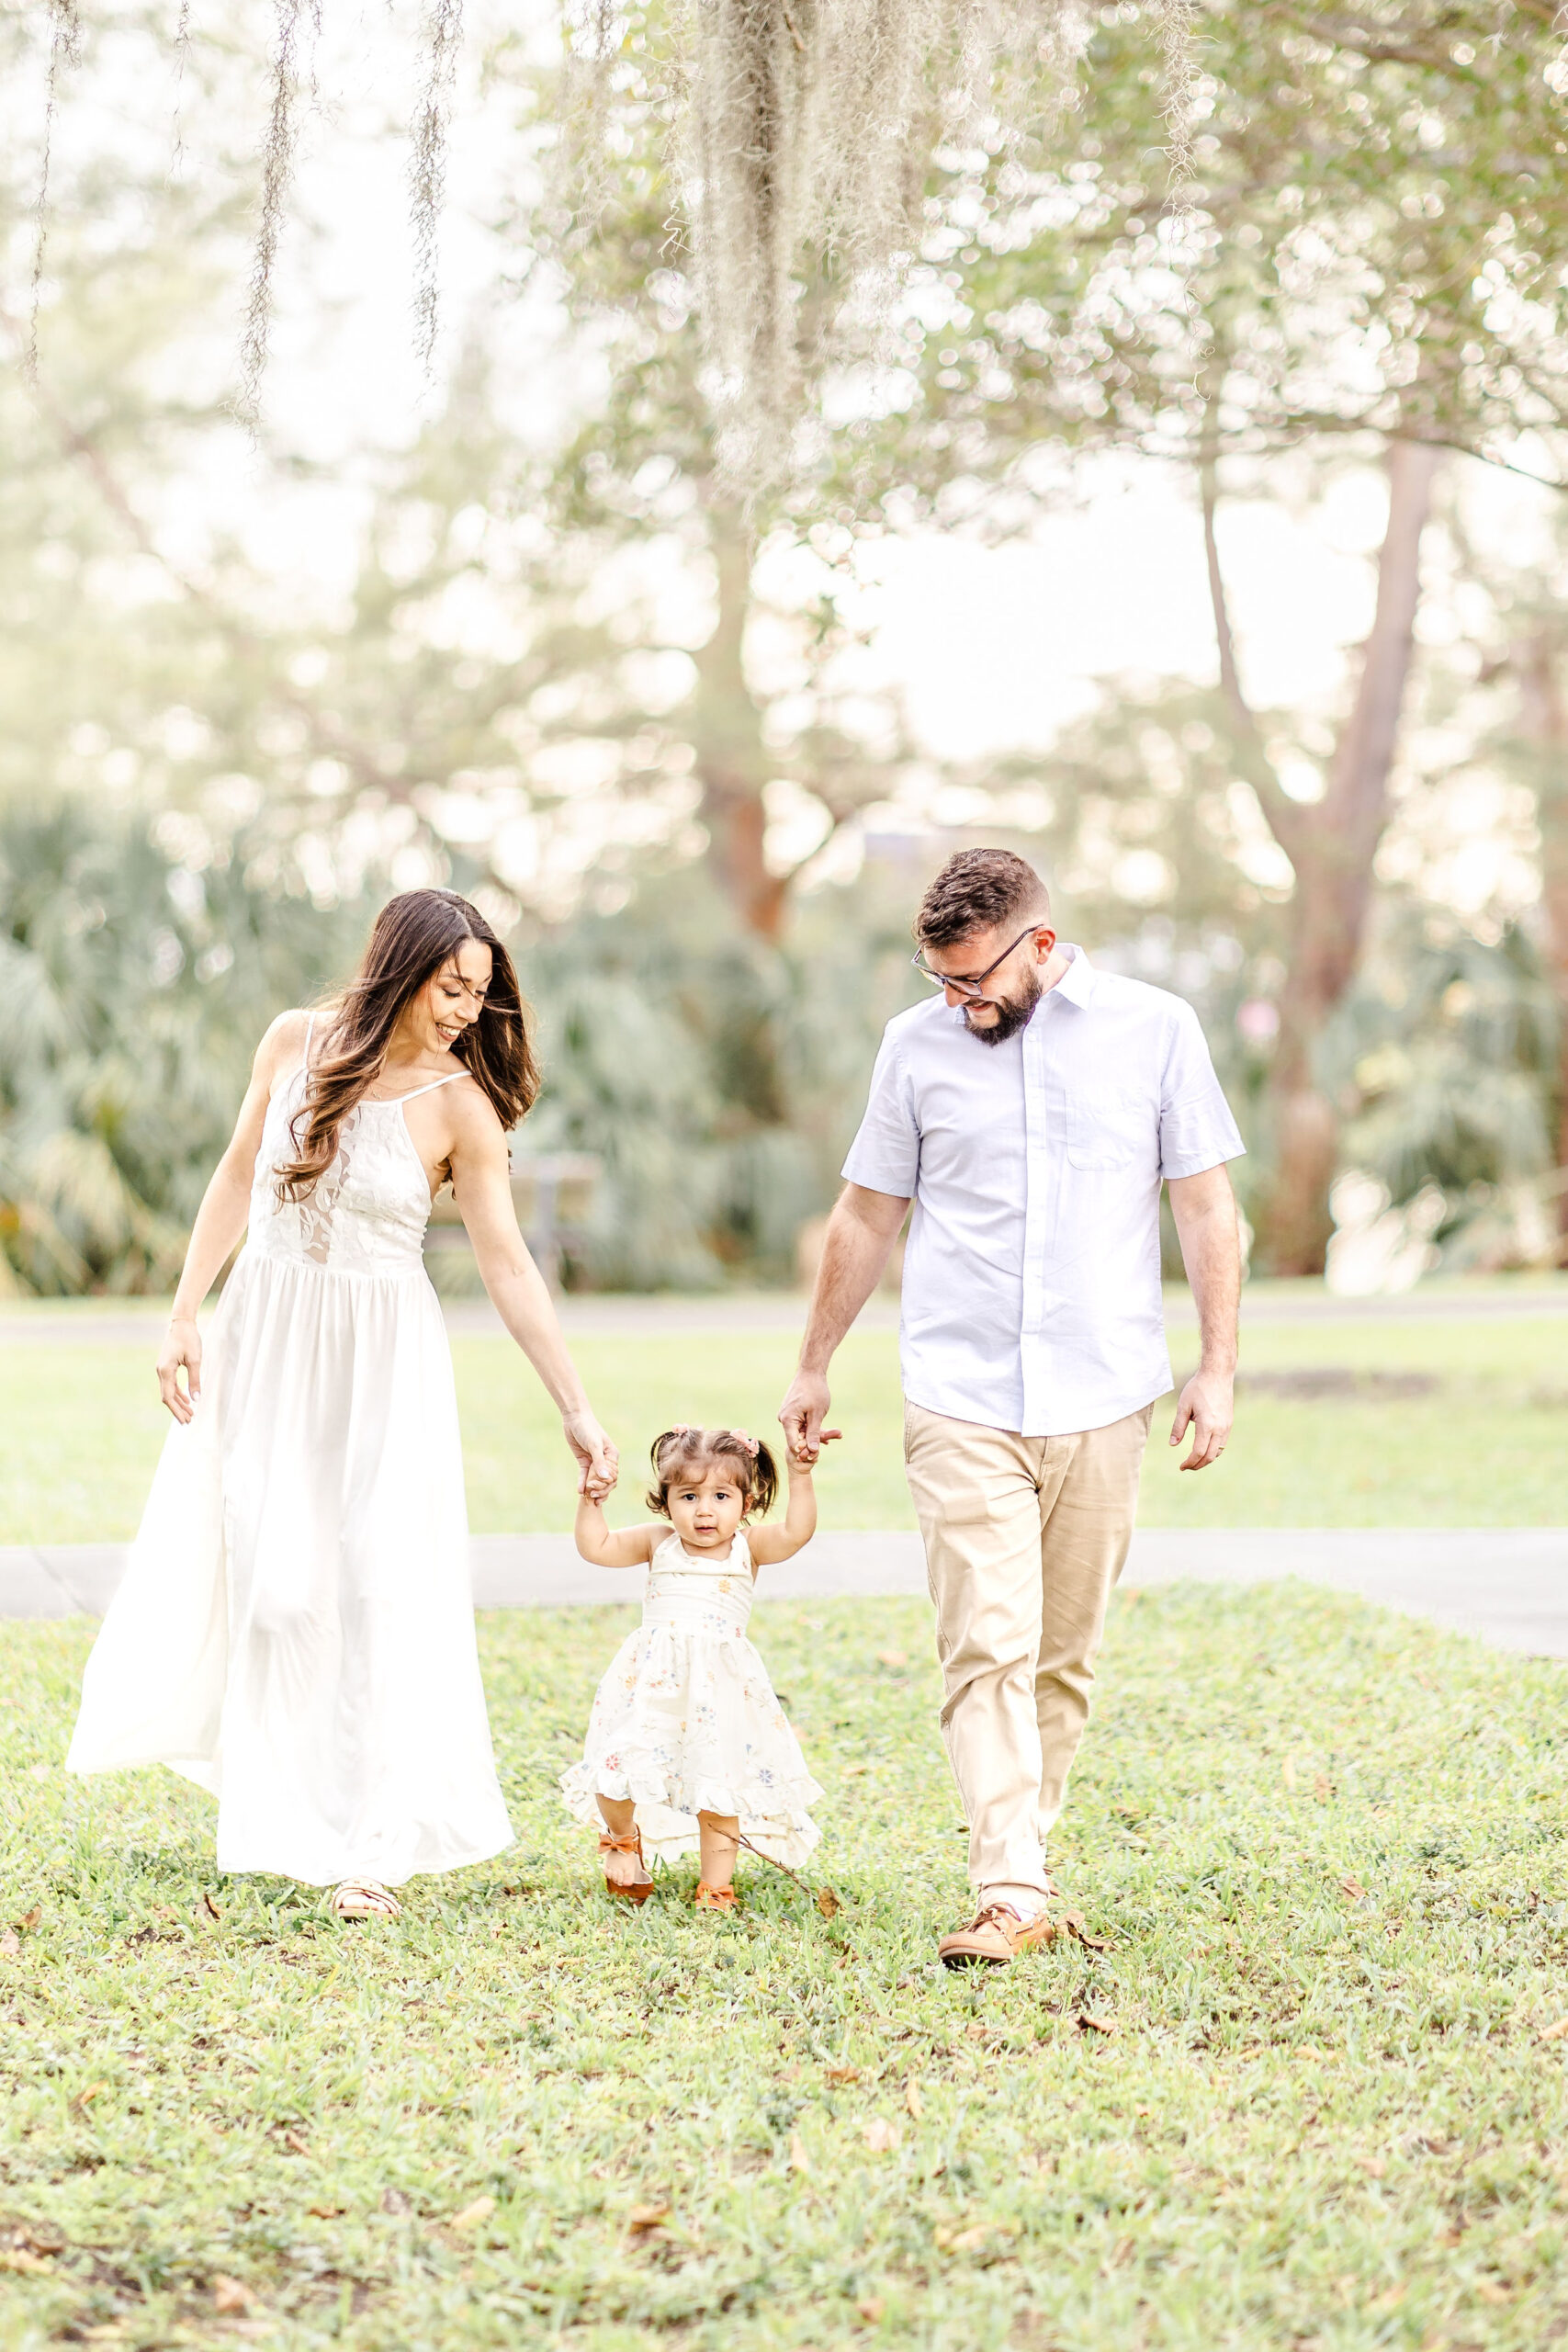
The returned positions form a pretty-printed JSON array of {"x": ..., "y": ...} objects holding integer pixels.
[{"x": 1031, "y": 1279}]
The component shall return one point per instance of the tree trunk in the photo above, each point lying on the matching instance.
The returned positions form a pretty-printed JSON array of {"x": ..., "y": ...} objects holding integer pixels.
[
  {"x": 1332, "y": 844},
  {"x": 732, "y": 760},
  {"x": 1543, "y": 716}
]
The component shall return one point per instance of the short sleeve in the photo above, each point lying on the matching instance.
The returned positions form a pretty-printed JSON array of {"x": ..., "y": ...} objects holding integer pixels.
[
  {"x": 885, "y": 1155},
  {"x": 1196, "y": 1130}
]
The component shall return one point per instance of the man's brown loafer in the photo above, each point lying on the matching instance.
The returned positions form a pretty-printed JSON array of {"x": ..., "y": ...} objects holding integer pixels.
[{"x": 993, "y": 1937}]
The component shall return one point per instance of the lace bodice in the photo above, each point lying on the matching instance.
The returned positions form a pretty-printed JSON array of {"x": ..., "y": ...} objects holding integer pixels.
[
  {"x": 368, "y": 1212},
  {"x": 703, "y": 1596}
]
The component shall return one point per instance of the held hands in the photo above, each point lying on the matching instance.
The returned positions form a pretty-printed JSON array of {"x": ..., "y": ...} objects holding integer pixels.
[
  {"x": 801, "y": 1416},
  {"x": 182, "y": 1345},
  {"x": 598, "y": 1458},
  {"x": 1207, "y": 1404}
]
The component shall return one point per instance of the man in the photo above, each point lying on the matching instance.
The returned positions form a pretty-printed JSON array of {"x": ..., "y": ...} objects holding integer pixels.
[{"x": 1030, "y": 1111}]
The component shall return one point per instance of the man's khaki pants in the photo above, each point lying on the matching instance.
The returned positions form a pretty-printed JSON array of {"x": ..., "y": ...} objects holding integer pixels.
[{"x": 1024, "y": 1538}]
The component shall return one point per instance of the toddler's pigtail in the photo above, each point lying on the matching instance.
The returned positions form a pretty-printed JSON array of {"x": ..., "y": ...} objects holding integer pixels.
[
  {"x": 658, "y": 1496},
  {"x": 764, "y": 1481}
]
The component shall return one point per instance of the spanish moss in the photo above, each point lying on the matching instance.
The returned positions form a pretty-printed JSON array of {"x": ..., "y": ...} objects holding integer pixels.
[
  {"x": 64, "y": 51},
  {"x": 277, "y": 164},
  {"x": 427, "y": 170},
  {"x": 803, "y": 136},
  {"x": 182, "y": 54}
]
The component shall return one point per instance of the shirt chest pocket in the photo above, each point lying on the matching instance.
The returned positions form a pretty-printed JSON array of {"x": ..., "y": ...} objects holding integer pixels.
[{"x": 1107, "y": 1132}]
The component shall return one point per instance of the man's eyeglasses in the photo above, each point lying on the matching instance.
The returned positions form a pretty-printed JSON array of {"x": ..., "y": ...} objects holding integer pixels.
[{"x": 970, "y": 988}]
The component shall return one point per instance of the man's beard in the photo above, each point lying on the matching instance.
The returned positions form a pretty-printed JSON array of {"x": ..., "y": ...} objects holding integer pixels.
[{"x": 1013, "y": 1014}]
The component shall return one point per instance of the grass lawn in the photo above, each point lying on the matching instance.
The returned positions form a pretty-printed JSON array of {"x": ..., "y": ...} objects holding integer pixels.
[
  {"x": 1308, "y": 2097},
  {"x": 1422, "y": 1423}
]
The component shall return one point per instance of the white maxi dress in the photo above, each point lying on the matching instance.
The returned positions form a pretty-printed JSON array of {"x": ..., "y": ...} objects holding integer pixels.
[{"x": 295, "y": 1630}]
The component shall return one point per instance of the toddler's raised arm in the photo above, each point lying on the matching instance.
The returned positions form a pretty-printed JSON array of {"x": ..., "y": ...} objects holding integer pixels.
[
  {"x": 628, "y": 1547},
  {"x": 769, "y": 1543}
]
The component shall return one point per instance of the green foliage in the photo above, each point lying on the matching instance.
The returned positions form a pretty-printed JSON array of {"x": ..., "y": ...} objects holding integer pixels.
[
  {"x": 1304, "y": 2095},
  {"x": 1448, "y": 1045},
  {"x": 133, "y": 992},
  {"x": 1374, "y": 238}
]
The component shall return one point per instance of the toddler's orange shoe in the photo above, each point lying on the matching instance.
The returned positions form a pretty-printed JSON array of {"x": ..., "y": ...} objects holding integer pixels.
[
  {"x": 714, "y": 1898},
  {"x": 640, "y": 1889}
]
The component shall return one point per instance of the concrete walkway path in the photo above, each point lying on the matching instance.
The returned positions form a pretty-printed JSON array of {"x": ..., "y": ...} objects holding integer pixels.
[{"x": 1509, "y": 1585}]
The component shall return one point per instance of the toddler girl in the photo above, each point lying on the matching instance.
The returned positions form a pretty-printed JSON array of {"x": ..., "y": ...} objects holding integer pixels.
[{"x": 687, "y": 1745}]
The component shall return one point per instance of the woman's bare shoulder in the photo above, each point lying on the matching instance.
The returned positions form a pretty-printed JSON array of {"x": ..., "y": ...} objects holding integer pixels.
[
  {"x": 475, "y": 1120},
  {"x": 283, "y": 1045}
]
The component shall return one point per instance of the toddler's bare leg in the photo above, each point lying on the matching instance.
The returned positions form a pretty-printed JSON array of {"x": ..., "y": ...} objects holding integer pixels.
[
  {"x": 721, "y": 1833},
  {"x": 620, "y": 1820}
]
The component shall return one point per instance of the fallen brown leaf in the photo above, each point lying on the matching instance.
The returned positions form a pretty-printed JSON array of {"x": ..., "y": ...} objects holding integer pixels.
[
  {"x": 1353, "y": 1888},
  {"x": 798, "y": 2160},
  {"x": 1491, "y": 2290},
  {"x": 29, "y": 1919},
  {"x": 212, "y": 1910},
  {"x": 292, "y": 2141},
  {"x": 1322, "y": 1787},
  {"x": 231, "y": 2294},
  {"x": 23, "y": 2258},
  {"x": 1096, "y": 2025},
  {"x": 871, "y": 2308},
  {"x": 1555, "y": 2032},
  {"x": 10, "y": 1944},
  {"x": 84, "y": 2099},
  {"x": 827, "y": 1903},
  {"x": 1071, "y": 1923},
  {"x": 892, "y": 1657},
  {"x": 326, "y": 2212},
  {"x": 853, "y": 1771},
  {"x": 882, "y": 2136},
  {"x": 643, "y": 2218},
  {"x": 39, "y": 2237},
  {"x": 842, "y": 2074},
  {"x": 912, "y": 2100},
  {"x": 1374, "y": 2167},
  {"x": 395, "y": 2201},
  {"x": 480, "y": 2211}
]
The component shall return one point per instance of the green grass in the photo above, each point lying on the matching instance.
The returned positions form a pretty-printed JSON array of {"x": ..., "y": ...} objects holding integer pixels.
[
  {"x": 1487, "y": 1447},
  {"x": 1326, "y": 2117}
]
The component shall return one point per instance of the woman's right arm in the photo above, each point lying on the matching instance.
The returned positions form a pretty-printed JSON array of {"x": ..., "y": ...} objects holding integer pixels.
[{"x": 220, "y": 1220}]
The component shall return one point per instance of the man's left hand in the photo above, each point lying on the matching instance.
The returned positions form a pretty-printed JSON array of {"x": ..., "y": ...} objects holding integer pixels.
[{"x": 1207, "y": 1407}]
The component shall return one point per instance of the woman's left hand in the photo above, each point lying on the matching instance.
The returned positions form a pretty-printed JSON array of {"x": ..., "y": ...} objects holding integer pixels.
[{"x": 598, "y": 1460}]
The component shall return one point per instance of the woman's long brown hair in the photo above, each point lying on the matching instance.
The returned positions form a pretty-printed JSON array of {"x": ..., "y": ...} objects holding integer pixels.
[{"x": 413, "y": 936}]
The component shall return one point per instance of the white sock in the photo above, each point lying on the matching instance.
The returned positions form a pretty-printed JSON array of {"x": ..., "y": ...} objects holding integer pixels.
[{"x": 1027, "y": 1901}]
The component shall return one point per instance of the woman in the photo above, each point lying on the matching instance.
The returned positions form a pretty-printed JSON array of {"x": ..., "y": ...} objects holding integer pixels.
[{"x": 295, "y": 1631}]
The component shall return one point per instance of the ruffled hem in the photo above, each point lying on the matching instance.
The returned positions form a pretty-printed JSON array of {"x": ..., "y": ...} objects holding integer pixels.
[{"x": 773, "y": 1817}]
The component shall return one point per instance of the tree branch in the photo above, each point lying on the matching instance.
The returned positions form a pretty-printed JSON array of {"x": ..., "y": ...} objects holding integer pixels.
[
  {"x": 1246, "y": 740},
  {"x": 327, "y": 735}
]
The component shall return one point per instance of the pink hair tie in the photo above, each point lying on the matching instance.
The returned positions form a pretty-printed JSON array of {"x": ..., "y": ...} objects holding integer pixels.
[{"x": 749, "y": 1442}]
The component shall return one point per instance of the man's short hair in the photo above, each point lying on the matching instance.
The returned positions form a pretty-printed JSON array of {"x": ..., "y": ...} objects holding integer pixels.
[{"x": 978, "y": 889}]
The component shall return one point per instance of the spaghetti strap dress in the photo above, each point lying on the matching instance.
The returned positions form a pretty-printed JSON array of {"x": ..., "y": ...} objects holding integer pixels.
[
  {"x": 686, "y": 1721},
  {"x": 295, "y": 1630}
]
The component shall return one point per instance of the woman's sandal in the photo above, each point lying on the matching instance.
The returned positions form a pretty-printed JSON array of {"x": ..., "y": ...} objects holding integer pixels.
[
  {"x": 640, "y": 1890},
  {"x": 714, "y": 1898},
  {"x": 364, "y": 1898}
]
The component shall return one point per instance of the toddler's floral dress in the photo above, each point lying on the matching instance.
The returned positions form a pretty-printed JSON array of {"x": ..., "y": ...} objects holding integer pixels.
[{"x": 687, "y": 1722}]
